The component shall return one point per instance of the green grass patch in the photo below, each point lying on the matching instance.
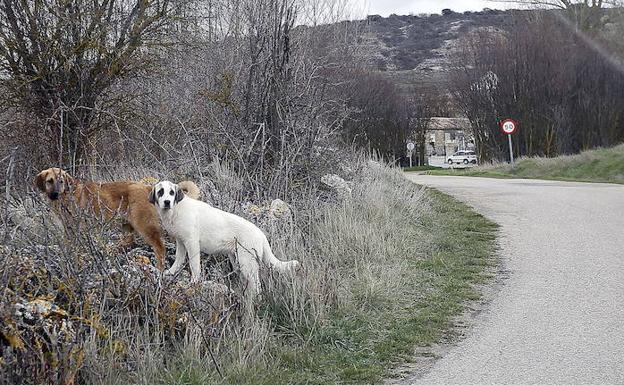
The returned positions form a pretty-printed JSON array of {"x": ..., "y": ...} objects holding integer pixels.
[
  {"x": 605, "y": 165},
  {"x": 469, "y": 172},
  {"x": 421, "y": 168}
]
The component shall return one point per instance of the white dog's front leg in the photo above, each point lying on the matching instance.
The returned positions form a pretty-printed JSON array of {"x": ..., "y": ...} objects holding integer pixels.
[
  {"x": 180, "y": 257},
  {"x": 193, "y": 251}
]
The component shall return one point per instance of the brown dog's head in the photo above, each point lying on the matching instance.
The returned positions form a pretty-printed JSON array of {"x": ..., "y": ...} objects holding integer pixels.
[{"x": 54, "y": 182}]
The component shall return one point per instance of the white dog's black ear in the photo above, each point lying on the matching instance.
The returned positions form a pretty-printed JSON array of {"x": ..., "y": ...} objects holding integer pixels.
[
  {"x": 179, "y": 195},
  {"x": 152, "y": 196}
]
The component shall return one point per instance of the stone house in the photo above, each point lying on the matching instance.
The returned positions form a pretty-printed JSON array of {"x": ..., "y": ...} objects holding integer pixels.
[{"x": 448, "y": 135}]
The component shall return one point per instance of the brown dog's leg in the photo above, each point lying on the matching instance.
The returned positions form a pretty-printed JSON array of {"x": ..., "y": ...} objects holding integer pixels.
[
  {"x": 128, "y": 239},
  {"x": 155, "y": 240},
  {"x": 144, "y": 219},
  {"x": 152, "y": 235}
]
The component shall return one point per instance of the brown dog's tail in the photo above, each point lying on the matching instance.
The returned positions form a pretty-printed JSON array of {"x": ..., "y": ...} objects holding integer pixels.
[{"x": 190, "y": 189}]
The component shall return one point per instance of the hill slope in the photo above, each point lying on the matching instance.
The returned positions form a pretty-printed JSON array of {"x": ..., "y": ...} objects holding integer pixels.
[{"x": 419, "y": 49}]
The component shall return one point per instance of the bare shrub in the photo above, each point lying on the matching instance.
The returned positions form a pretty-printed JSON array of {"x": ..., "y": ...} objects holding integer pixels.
[{"x": 112, "y": 318}]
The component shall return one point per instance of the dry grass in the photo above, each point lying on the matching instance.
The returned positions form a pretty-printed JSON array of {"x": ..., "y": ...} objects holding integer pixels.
[{"x": 383, "y": 270}]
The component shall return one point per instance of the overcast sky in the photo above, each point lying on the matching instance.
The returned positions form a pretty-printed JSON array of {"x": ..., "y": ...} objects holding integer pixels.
[{"x": 405, "y": 7}]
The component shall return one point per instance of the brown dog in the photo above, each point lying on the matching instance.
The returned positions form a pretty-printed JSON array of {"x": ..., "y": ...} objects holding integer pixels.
[{"x": 106, "y": 199}]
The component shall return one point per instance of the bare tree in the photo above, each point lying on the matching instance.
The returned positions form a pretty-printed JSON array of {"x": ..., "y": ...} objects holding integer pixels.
[
  {"x": 565, "y": 95},
  {"x": 58, "y": 58},
  {"x": 380, "y": 120},
  {"x": 586, "y": 15},
  {"x": 181, "y": 84},
  {"x": 249, "y": 86}
]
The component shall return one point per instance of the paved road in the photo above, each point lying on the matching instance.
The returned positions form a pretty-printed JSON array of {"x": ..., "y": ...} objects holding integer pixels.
[{"x": 559, "y": 317}]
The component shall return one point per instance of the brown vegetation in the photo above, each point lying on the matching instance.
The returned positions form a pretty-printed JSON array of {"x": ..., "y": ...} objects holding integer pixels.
[{"x": 253, "y": 100}]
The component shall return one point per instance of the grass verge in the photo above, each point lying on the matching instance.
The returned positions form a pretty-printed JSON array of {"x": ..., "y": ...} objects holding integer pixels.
[
  {"x": 605, "y": 165},
  {"x": 386, "y": 268},
  {"x": 421, "y": 168},
  {"x": 402, "y": 263}
]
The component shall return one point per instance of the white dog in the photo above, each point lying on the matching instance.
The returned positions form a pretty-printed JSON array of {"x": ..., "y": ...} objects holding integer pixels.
[{"x": 197, "y": 226}]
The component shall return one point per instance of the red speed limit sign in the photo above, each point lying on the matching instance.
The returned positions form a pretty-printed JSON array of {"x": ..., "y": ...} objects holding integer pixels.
[{"x": 509, "y": 126}]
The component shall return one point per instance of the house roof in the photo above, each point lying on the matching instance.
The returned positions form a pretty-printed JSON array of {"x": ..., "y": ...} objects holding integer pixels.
[{"x": 439, "y": 123}]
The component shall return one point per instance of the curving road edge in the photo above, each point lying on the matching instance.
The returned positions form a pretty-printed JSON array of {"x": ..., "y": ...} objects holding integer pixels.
[{"x": 559, "y": 317}]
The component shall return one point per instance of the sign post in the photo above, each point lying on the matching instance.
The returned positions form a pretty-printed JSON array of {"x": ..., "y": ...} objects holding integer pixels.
[
  {"x": 410, "y": 148},
  {"x": 509, "y": 127}
]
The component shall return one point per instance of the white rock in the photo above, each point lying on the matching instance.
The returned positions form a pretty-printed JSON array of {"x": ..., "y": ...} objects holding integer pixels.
[
  {"x": 279, "y": 209},
  {"x": 337, "y": 184},
  {"x": 37, "y": 308}
]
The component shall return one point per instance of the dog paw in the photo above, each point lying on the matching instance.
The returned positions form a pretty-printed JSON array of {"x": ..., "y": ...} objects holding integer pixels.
[{"x": 196, "y": 280}]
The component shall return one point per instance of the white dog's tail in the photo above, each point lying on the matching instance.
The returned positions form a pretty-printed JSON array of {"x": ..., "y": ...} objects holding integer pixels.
[
  {"x": 269, "y": 259},
  {"x": 190, "y": 189}
]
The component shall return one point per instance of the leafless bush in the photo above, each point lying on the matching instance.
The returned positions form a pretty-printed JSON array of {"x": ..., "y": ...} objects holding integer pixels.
[
  {"x": 97, "y": 314},
  {"x": 75, "y": 299},
  {"x": 251, "y": 88},
  {"x": 248, "y": 108}
]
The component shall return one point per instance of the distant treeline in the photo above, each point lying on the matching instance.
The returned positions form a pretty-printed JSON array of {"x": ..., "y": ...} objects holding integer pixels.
[{"x": 563, "y": 84}]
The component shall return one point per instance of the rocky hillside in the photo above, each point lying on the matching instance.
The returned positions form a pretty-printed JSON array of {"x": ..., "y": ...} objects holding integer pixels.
[{"x": 417, "y": 49}]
